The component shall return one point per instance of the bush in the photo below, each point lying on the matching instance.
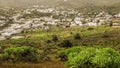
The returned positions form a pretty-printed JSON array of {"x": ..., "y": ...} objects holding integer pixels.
[
  {"x": 90, "y": 28},
  {"x": 54, "y": 38},
  {"x": 48, "y": 41},
  {"x": 62, "y": 55},
  {"x": 107, "y": 58},
  {"x": 111, "y": 24},
  {"x": 23, "y": 53},
  {"x": 106, "y": 35},
  {"x": 77, "y": 36},
  {"x": 91, "y": 57},
  {"x": 71, "y": 32},
  {"x": 66, "y": 44}
]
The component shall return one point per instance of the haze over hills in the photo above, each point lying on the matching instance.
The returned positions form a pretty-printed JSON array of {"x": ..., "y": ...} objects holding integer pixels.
[{"x": 70, "y": 3}]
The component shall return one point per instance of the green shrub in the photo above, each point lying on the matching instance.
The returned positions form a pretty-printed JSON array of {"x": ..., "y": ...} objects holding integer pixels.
[
  {"x": 77, "y": 36},
  {"x": 48, "y": 41},
  {"x": 23, "y": 53},
  {"x": 107, "y": 58},
  {"x": 90, "y": 28},
  {"x": 4, "y": 56},
  {"x": 91, "y": 57},
  {"x": 66, "y": 44},
  {"x": 111, "y": 24},
  {"x": 106, "y": 35},
  {"x": 62, "y": 55},
  {"x": 83, "y": 59},
  {"x": 54, "y": 38}
]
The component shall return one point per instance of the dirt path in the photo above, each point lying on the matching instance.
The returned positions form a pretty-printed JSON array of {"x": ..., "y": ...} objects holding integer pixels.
[{"x": 29, "y": 65}]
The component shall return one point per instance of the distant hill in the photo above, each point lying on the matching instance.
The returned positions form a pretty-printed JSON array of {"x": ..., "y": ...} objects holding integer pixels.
[{"x": 66, "y": 3}]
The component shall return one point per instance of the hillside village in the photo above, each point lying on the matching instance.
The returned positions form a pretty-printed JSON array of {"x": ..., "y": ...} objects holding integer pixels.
[
  {"x": 41, "y": 17},
  {"x": 59, "y": 33}
]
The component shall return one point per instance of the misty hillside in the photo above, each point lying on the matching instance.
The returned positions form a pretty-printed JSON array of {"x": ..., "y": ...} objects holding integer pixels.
[{"x": 70, "y": 3}]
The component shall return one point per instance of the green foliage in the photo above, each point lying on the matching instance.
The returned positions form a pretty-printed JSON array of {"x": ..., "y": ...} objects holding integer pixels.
[
  {"x": 106, "y": 35},
  {"x": 111, "y": 24},
  {"x": 23, "y": 53},
  {"x": 48, "y": 41},
  {"x": 66, "y": 44},
  {"x": 77, "y": 36},
  {"x": 54, "y": 38},
  {"x": 91, "y": 57},
  {"x": 63, "y": 54},
  {"x": 90, "y": 28},
  {"x": 107, "y": 58},
  {"x": 40, "y": 39}
]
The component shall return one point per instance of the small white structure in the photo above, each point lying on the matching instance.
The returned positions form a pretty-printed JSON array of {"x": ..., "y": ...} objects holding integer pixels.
[
  {"x": 17, "y": 37},
  {"x": 2, "y": 23},
  {"x": 91, "y": 24},
  {"x": 2, "y": 38},
  {"x": 117, "y": 15},
  {"x": 6, "y": 34},
  {"x": 46, "y": 28}
]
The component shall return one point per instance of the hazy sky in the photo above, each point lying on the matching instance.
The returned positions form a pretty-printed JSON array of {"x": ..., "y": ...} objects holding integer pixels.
[{"x": 56, "y": 2}]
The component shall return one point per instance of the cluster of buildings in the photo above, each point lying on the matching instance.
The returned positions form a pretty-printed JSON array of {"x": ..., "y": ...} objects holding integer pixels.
[{"x": 52, "y": 17}]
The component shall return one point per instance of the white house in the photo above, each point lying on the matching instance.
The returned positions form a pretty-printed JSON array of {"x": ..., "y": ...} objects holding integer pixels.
[
  {"x": 6, "y": 34},
  {"x": 2, "y": 38},
  {"x": 92, "y": 24}
]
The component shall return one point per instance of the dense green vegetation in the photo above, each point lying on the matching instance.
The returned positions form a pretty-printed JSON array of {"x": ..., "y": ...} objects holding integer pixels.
[
  {"x": 91, "y": 57},
  {"x": 45, "y": 45},
  {"x": 76, "y": 47},
  {"x": 16, "y": 54}
]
